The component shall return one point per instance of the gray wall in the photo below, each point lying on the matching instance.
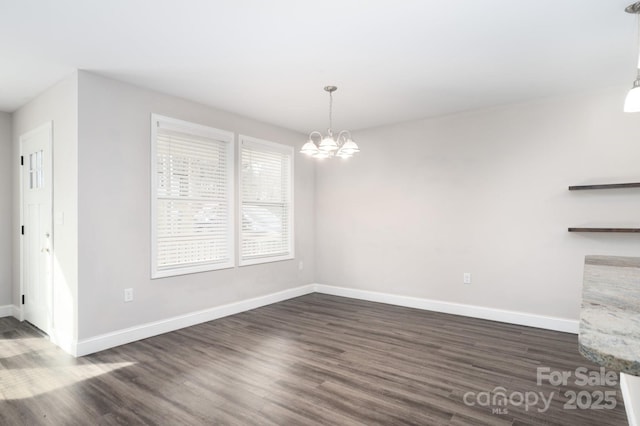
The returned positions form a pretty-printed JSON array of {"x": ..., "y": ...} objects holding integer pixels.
[
  {"x": 6, "y": 179},
  {"x": 114, "y": 212},
  {"x": 482, "y": 192},
  {"x": 57, "y": 104}
]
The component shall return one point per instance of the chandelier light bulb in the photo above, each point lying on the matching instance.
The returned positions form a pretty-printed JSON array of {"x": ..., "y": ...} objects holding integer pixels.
[
  {"x": 309, "y": 148},
  {"x": 350, "y": 147},
  {"x": 328, "y": 144},
  {"x": 321, "y": 155},
  {"x": 632, "y": 101}
]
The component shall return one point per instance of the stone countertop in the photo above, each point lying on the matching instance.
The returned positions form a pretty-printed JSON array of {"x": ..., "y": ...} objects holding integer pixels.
[{"x": 610, "y": 314}]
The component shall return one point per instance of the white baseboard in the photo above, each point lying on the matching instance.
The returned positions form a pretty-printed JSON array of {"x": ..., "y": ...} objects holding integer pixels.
[
  {"x": 143, "y": 331},
  {"x": 6, "y": 311},
  {"x": 500, "y": 315}
]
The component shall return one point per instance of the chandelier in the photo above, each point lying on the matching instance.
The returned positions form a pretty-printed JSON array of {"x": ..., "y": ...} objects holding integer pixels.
[{"x": 320, "y": 147}]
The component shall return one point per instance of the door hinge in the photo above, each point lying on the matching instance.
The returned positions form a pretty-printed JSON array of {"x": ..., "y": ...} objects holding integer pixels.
[
  {"x": 23, "y": 299},
  {"x": 22, "y": 160},
  {"x": 22, "y": 229}
]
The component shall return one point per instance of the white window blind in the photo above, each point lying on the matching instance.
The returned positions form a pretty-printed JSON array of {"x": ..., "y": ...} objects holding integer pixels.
[
  {"x": 266, "y": 201},
  {"x": 192, "y": 198}
]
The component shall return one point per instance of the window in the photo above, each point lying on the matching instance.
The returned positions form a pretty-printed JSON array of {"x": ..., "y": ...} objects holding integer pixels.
[
  {"x": 266, "y": 201},
  {"x": 36, "y": 176},
  {"x": 191, "y": 198}
]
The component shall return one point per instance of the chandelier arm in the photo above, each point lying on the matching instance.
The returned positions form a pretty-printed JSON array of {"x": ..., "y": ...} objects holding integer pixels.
[
  {"x": 343, "y": 136},
  {"x": 315, "y": 133}
]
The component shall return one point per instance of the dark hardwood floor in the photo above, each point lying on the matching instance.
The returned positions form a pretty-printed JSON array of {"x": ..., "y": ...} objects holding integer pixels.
[{"x": 316, "y": 359}]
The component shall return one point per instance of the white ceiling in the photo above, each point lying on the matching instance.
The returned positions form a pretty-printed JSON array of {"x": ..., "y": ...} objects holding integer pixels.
[{"x": 392, "y": 60}]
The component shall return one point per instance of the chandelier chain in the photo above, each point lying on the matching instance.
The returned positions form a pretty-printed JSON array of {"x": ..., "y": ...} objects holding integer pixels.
[
  {"x": 638, "y": 36},
  {"x": 632, "y": 100},
  {"x": 330, "y": 110}
]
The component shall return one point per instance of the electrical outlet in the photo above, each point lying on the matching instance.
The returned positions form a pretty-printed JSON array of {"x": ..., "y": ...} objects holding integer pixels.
[
  {"x": 466, "y": 278},
  {"x": 128, "y": 295}
]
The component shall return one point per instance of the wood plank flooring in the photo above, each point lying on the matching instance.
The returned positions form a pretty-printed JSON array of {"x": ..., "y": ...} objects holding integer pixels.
[{"x": 312, "y": 360}]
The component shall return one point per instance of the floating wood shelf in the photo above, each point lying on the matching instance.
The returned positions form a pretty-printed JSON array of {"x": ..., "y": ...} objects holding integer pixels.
[
  {"x": 631, "y": 230},
  {"x": 605, "y": 186}
]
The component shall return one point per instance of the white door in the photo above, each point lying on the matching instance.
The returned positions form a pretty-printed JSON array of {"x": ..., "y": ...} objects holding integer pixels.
[{"x": 37, "y": 241}]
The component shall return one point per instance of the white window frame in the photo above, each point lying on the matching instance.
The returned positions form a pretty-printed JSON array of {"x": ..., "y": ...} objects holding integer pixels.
[
  {"x": 251, "y": 141},
  {"x": 208, "y": 132}
]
